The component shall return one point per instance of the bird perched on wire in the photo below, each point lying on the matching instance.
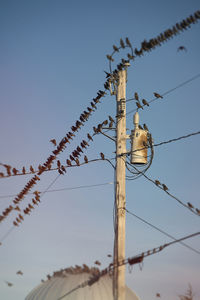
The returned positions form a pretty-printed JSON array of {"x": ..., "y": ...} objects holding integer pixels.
[
  {"x": 136, "y": 96},
  {"x": 85, "y": 159},
  {"x": 145, "y": 102},
  {"x": 181, "y": 48},
  {"x": 165, "y": 188},
  {"x": 145, "y": 127},
  {"x": 102, "y": 155},
  {"x": 158, "y": 95},
  {"x": 139, "y": 105},
  {"x": 89, "y": 137},
  {"x": 157, "y": 182}
]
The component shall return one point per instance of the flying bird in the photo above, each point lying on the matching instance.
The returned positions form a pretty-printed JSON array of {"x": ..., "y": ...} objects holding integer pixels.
[
  {"x": 19, "y": 272},
  {"x": 181, "y": 48},
  {"x": 158, "y": 95},
  {"x": 53, "y": 141},
  {"x": 9, "y": 283},
  {"x": 158, "y": 295}
]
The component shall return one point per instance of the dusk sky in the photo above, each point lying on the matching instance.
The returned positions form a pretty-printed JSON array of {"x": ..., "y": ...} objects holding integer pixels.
[{"x": 52, "y": 63}]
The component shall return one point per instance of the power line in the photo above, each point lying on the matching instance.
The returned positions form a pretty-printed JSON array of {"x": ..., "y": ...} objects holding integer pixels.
[
  {"x": 167, "y": 92},
  {"x": 130, "y": 260},
  {"x": 66, "y": 189},
  {"x": 160, "y": 230}
]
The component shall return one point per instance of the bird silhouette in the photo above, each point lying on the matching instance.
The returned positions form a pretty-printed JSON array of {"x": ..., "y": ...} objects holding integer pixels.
[
  {"x": 157, "y": 182},
  {"x": 102, "y": 155},
  {"x": 115, "y": 48},
  {"x": 128, "y": 42},
  {"x": 139, "y": 105},
  {"x": 53, "y": 141},
  {"x": 145, "y": 127},
  {"x": 85, "y": 159},
  {"x": 31, "y": 169},
  {"x": 9, "y": 283},
  {"x": 68, "y": 162},
  {"x": 190, "y": 205},
  {"x": 19, "y": 272},
  {"x": 181, "y": 48},
  {"x": 122, "y": 43},
  {"x": 158, "y": 95},
  {"x": 89, "y": 137},
  {"x": 165, "y": 188},
  {"x": 145, "y": 102},
  {"x": 136, "y": 96}
]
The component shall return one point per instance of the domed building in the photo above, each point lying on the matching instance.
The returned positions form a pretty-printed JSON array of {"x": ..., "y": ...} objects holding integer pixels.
[{"x": 69, "y": 282}]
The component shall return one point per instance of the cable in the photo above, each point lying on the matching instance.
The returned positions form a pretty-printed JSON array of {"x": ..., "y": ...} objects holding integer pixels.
[
  {"x": 167, "y": 92},
  {"x": 66, "y": 189},
  {"x": 130, "y": 260},
  {"x": 160, "y": 230}
]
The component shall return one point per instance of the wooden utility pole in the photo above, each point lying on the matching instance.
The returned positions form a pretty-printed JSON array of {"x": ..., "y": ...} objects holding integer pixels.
[{"x": 120, "y": 189}]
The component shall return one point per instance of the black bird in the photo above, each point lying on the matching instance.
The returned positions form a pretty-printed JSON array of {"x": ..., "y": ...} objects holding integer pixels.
[{"x": 181, "y": 48}]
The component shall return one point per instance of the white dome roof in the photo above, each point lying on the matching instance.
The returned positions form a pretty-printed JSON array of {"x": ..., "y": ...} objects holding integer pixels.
[{"x": 64, "y": 281}]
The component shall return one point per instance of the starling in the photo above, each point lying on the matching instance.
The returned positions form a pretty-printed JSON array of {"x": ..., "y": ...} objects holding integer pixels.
[
  {"x": 68, "y": 162},
  {"x": 89, "y": 137},
  {"x": 145, "y": 127},
  {"x": 23, "y": 170},
  {"x": 102, "y": 155},
  {"x": 158, "y": 295},
  {"x": 165, "y": 188},
  {"x": 109, "y": 255},
  {"x": 77, "y": 162},
  {"x": 85, "y": 159},
  {"x": 19, "y": 272},
  {"x": 9, "y": 283},
  {"x": 97, "y": 263},
  {"x": 111, "y": 119},
  {"x": 181, "y": 48},
  {"x": 157, "y": 182},
  {"x": 136, "y": 96},
  {"x": 122, "y": 43},
  {"x": 128, "y": 42},
  {"x": 15, "y": 171},
  {"x": 58, "y": 164},
  {"x": 158, "y": 95},
  {"x": 145, "y": 102},
  {"x": 109, "y": 57},
  {"x": 115, "y": 48},
  {"x": 63, "y": 168},
  {"x": 31, "y": 169},
  {"x": 53, "y": 141},
  {"x": 140, "y": 127},
  {"x": 139, "y": 105},
  {"x": 190, "y": 205}
]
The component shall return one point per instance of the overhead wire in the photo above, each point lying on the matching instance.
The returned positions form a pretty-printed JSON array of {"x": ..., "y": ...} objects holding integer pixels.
[
  {"x": 160, "y": 230},
  {"x": 137, "y": 259}
]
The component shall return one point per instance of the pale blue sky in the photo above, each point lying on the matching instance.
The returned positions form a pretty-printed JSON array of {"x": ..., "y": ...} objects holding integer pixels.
[{"x": 53, "y": 57}]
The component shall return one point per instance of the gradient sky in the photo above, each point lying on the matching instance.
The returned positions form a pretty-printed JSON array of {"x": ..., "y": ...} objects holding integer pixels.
[{"x": 53, "y": 57}]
